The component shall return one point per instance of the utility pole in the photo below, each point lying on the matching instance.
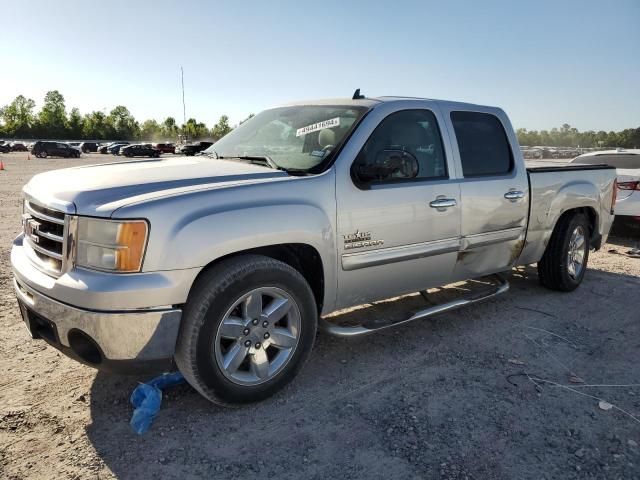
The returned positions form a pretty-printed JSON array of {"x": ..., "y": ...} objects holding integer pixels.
[{"x": 184, "y": 108}]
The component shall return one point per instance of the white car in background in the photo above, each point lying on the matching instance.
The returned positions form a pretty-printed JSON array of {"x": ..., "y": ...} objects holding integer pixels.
[{"x": 627, "y": 163}]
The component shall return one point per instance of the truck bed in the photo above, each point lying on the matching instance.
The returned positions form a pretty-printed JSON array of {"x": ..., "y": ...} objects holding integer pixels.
[{"x": 557, "y": 186}]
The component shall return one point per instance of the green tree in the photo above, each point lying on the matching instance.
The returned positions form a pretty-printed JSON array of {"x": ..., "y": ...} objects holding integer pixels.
[
  {"x": 96, "y": 126},
  {"x": 221, "y": 128},
  {"x": 150, "y": 130},
  {"x": 52, "y": 118},
  {"x": 18, "y": 118},
  {"x": 75, "y": 125},
  {"x": 195, "y": 130},
  {"x": 124, "y": 126},
  {"x": 169, "y": 129}
]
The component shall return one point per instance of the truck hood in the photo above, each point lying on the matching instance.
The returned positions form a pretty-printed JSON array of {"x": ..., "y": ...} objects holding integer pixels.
[{"x": 101, "y": 189}]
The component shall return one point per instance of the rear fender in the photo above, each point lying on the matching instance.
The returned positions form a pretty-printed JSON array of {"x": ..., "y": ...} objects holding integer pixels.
[{"x": 548, "y": 207}]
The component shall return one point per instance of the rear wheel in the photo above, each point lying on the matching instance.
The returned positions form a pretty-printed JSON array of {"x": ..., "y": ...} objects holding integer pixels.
[
  {"x": 564, "y": 262},
  {"x": 42, "y": 154},
  {"x": 247, "y": 329}
]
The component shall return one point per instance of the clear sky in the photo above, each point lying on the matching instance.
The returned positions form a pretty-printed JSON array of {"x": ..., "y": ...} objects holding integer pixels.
[{"x": 545, "y": 62}]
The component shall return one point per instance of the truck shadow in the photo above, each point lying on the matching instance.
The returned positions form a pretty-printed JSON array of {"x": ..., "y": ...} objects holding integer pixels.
[{"x": 339, "y": 416}]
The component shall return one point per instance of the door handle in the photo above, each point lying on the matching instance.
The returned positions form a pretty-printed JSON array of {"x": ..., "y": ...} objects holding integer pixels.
[
  {"x": 514, "y": 195},
  {"x": 443, "y": 203}
]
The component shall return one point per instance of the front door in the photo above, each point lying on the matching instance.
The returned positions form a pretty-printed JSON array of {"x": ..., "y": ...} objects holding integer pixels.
[{"x": 398, "y": 219}]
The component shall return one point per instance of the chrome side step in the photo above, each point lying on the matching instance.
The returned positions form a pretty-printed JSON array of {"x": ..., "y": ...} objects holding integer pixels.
[{"x": 502, "y": 285}]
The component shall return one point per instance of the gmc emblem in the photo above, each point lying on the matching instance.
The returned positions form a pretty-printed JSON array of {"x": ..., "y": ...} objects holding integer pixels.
[{"x": 31, "y": 227}]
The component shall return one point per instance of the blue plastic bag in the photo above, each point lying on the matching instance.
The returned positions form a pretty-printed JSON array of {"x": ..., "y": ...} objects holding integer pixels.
[{"x": 147, "y": 397}]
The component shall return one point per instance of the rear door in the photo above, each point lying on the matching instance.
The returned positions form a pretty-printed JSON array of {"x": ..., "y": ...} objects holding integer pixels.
[
  {"x": 494, "y": 190},
  {"x": 398, "y": 233}
]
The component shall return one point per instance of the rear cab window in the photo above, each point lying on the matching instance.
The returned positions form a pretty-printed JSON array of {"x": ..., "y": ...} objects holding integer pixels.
[{"x": 483, "y": 144}]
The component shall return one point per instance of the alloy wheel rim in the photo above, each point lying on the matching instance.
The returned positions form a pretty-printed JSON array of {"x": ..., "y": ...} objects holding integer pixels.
[
  {"x": 577, "y": 251},
  {"x": 258, "y": 336}
]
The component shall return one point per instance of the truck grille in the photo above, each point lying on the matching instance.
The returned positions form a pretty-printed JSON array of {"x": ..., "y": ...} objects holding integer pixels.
[{"x": 44, "y": 235}]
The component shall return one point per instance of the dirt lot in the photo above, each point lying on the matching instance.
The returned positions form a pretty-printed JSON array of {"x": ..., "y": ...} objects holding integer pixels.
[{"x": 484, "y": 392}]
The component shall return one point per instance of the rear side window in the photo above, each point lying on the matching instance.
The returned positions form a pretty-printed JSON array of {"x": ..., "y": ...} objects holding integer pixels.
[{"x": 483, "y": 144}]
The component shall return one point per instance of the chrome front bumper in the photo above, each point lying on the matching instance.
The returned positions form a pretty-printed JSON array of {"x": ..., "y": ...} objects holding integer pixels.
[{"x": 137, "y": 336}]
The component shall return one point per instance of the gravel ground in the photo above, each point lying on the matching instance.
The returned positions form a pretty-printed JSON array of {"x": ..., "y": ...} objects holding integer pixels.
[{"x": 484, "y": 392}]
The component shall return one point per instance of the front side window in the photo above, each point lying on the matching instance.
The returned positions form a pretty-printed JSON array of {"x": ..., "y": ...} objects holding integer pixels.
[
  {"x": 406, "y": 145},
  {"x": 483, "y": 144},
  {"x": 297, "y": 138}
]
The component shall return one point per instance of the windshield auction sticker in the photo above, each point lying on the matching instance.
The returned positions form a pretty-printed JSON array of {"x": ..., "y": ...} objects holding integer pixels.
[{"x": 332, "y": 122}]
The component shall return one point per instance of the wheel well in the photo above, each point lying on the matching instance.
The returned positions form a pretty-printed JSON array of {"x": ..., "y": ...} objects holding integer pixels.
[
  {"x": 304, "y": 258},
  {"x": 592, "y": 217}
]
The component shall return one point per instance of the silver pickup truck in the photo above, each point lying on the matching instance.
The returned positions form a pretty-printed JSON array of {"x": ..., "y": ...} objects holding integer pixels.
[{"x": 226, "y": 264}]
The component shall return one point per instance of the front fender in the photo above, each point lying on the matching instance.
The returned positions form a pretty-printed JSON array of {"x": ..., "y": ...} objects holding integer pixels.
[
  {"x": 191, "y": 231},
  {"x": 199, "y": 239}
]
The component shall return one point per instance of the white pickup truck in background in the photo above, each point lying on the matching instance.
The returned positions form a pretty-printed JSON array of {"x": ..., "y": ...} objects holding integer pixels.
[{"x": 226, "y": 263}]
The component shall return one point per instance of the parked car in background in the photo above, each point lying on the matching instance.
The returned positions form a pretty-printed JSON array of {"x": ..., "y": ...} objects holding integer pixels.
[
  {"x": 4, "y": 147},
  {"x": 139, "y": 150},
  {"x": 18, "y": 147},
  {"x": 43, "y": 149},
  {"x": 114, "y": 149},
  {"x": 568, "y": 152},
  {"x": 532, "y": 153},
  {"x": 193, "y": 148},
  {"x": 104, "y": 149},
  {"x": 86, "y": 147},
  {"x": 75, "y": 145},
  {"x": 165, "y": 147},
  {"x": 627, "y": 163}
]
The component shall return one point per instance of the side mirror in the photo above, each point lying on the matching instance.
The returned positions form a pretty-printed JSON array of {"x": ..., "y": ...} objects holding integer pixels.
[{"x": 388, "y": 164}]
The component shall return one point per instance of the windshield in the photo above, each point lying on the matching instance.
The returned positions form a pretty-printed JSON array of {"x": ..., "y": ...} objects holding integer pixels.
[{"x": 294, "y": 138}]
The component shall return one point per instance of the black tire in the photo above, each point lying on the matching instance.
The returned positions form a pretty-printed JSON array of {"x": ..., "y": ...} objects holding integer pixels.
[
  {"x": 212, "y": 295},
  {"x": 553, "y": 268}
]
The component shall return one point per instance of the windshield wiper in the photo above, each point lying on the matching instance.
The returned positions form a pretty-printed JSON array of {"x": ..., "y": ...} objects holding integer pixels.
[
  {"x": 259, "y": 160},
  {"x": 212, "y": 154}
]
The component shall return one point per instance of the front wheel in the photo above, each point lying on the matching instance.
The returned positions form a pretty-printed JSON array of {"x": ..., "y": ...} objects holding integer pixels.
[
  {"x": 247, "y": 329},
  {"x": 564, "y": 262}
]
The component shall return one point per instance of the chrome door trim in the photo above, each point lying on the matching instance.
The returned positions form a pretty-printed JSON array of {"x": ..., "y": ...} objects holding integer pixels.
[
  {"x": 481, "y": 239},
  {"x": 384, "y": 256}
]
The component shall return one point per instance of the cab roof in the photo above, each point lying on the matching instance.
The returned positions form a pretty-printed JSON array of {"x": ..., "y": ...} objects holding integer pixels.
[{"x": 372, "y": 102}]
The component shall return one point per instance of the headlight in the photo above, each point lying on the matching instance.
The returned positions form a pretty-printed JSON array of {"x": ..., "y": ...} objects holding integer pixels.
[{"x": 111, "y": 245}]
